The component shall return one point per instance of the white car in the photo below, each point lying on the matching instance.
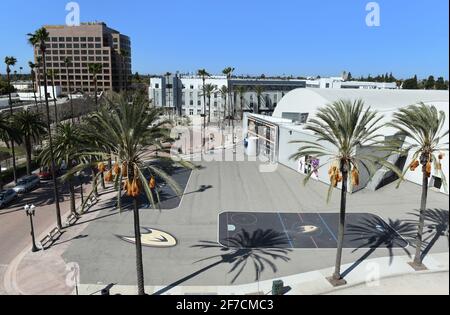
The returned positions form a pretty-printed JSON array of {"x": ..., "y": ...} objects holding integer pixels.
[
  {"x": 6, "y": 197},
  {"x": 27, "y": 184}
]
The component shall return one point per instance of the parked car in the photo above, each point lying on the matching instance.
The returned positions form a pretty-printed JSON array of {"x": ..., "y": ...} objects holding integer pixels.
[
  {"x": 27, "y": 184},
  {"x": 46, "y": 174},
  {"x": 6, "y": 197}
]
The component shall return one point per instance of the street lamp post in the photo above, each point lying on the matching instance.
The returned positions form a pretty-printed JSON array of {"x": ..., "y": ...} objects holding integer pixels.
[{"x": 31, "y": 210}]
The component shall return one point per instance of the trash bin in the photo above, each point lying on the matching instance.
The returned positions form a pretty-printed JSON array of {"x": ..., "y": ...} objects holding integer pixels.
[{"x": 277, "y": 287}]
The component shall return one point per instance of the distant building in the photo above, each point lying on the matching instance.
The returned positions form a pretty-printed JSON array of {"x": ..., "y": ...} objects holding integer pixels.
[
  {"x": 85, "y": 44},
  {"x": 341, "y": 83},
  {"x": 184, "y": 94}
]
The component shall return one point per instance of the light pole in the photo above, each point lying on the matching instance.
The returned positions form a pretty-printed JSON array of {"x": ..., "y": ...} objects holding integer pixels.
[{"x": 31, "y": 210}]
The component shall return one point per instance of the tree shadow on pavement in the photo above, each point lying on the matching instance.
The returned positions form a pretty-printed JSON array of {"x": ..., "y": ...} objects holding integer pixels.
[
  {"x": 436, "y": 226},
  {"x": 379, "y": 234},
  {"x": 259, "y": 250}
]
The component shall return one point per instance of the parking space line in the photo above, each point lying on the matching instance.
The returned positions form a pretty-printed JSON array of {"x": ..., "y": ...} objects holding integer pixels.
[
  {"x": 285, "y": 231},
  {"x": 328, "y": 228}
]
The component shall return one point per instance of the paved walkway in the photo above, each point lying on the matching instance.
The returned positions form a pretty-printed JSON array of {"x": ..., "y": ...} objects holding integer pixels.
[{"x": 47, "y": 272}]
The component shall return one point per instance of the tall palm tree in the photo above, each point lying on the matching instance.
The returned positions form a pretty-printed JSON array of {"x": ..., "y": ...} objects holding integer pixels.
[
  {"x": 124, "y": 57},
  {"x": 11, "y": 62},
  {"x": 67, "y": 63},
  {"x": 169, "y": 96},
  {"x": 228, "y": 72},
  {"x": 130, "y": 130},
  {"x": 8, "y": 132},
  {"x": 259, "y": 90},
  {"x": 208, "y": 90},
  {"x": 33, "y": 80},
  {"x": 202, "y": 73},
  {"x": 52, "y": 73},
  {"x": 69, "y": 144},
  {"x": 38, "y": 41},
  {"x": 340, "y": 129},
  {"x": 241, "y": 90},
  {"x": 423, "y": 126},
  {"x": 38, "y": 75},
  {"x": 224, "y": 93},
  {"x": 31, "y": 129},
  {"x": 95, "y": 69}
]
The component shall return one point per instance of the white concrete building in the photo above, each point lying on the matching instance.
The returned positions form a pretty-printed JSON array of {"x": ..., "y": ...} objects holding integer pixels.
[
  {"x": 341, "y": 83},
  {"x": 185, "y": 95},
  {"x": 273, "y": 135}
]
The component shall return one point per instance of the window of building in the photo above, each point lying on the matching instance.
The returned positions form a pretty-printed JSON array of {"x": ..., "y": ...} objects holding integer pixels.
[
  {"x": 90, "y": 39},
  {"x": 156, "y": 86},
  {"x": 191, "y": 102},
  {"x": 62, "y": 39},
  {"x": 191, "y": 112}
]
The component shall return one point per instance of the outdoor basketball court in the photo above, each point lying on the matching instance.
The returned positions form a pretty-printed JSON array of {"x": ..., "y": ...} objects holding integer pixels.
[{"x": 305, "y": 231}]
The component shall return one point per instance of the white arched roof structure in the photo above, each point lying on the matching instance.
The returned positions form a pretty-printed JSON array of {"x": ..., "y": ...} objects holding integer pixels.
[{"x": 309, "y": 100}]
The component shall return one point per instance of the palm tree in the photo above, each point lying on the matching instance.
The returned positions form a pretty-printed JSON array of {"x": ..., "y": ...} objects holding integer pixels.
[
  {"x": 203, "y": 74},
  {"x": 131, "y": 130},
  {"x": 241, "y": 90},
  {"x": 67, "y": 63},
  {"x": 11, "y": 62},
  {"x": 259, "y": 90},
  {"x": 51, "y": 73},
  {"x": 95, "y": 69},
  {"x": 224, "y": 94},
  {"x": 38, "y": 40},
  {"x": 340, "y": 129},
  {"x": 423, "y": 126},
  {"x": 228, "y": 72},
  {"x": 31, "y": 128},
  {"x": 7, "y": 132},
  {"x": 33, "y": 80},
  {"x": 169, "y": 96},
  {"x": 69, "y": 143},
  {"x": 125, "y": 55},
  {"x": 208, "y": 90},
  {"x": 38, "y": 74}
]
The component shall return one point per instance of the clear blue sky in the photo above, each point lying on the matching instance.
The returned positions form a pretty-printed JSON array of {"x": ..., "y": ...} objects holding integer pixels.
[{"x": 297, "y": 37}]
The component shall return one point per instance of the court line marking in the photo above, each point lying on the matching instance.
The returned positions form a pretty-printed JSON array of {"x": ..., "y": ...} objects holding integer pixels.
[
  {"x": 285, "y": 231},
  {"x": 328, "y": 228},
  {"x": 302, "y": 249}
]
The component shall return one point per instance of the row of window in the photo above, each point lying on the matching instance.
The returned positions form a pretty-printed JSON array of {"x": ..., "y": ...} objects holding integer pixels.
[
  {"x": 84, "y": 65},
  {"x": 75, "y": 39},
  {"x": 78, "y": 52}
]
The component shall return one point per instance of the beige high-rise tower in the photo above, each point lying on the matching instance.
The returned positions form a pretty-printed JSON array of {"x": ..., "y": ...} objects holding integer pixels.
[{"x": 85, "y": 44}]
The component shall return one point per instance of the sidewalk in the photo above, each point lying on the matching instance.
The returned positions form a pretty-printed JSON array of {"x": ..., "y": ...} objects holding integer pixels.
[
  {"x": 45, "y": 272},
  {"x": 362, "y": 280}
]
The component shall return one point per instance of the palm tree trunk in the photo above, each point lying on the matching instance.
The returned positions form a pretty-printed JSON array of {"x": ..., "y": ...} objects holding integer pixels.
[
  {"x": 204, "y": 117},
  {"x": 54, "y": 99},
  {"x": 139, "y": 262},
  {"x": 209, "y": 110},
  {"x": 70, "y": 96},
  {"x": 52, "y": 155},
  {"x": 72, "y": 197},
  {"x": 28, "y": 149},
  {"x": 341, "y": 233},
  {"x": 418, "y": 260},
  {"x": 34, "y": 91},
  {"x": 96, "y": 97},
  {"x": 13, "y": 151}
]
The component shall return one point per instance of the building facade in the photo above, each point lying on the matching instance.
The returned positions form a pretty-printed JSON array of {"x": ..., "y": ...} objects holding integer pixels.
[
  {"x": 184, "y": 94},
  {"x": 83, "y": 45},
  {"x": 274, "y": 137}
]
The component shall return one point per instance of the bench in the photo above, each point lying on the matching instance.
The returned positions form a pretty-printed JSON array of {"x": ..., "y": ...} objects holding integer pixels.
[
  {"x": 51, "y": 238},
  {"x": 72, "y": 218}
]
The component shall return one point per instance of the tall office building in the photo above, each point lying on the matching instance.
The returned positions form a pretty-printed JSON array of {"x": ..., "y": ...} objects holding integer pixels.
[{"x": 85, "y": 44}]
